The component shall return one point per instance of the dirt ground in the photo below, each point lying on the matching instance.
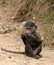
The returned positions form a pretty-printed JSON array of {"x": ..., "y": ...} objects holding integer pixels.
[{"x": 13, "y": 43}]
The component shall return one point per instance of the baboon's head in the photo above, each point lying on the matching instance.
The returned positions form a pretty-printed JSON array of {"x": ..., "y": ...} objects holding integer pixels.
[{"x": 30, "y": 27}]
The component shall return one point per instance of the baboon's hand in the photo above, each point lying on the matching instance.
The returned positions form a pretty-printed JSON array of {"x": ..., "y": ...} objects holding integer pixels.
[{"x": 34, "y": 53}]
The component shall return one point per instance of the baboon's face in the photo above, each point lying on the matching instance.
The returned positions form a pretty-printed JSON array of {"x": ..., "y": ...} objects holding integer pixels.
[{"x": 29, "y": 30}]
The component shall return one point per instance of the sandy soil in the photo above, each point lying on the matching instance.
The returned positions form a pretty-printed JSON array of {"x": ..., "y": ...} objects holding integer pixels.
[{"x": 12, "y": 42}]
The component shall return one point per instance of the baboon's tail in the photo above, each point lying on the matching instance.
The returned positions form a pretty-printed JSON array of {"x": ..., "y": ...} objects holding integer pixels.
[{"x": 12, "y": 51}]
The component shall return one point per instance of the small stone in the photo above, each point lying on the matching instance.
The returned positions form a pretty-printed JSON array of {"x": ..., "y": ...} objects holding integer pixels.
[
  {"x": 12, "y": 17},
  {"x": 2, "y": 30},
  {"x": 10, "y": 57},
  {"x": 34, "y": 18}
]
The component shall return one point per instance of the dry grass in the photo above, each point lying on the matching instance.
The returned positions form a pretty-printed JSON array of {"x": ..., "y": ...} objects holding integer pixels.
[{"x": 29, "y": 10}]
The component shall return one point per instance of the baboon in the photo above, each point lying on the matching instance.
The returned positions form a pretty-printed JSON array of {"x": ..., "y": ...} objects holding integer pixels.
[{"x": 32, "y": 40}]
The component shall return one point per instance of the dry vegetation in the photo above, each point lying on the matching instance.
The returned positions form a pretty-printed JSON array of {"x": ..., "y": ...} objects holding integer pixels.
[{"x": 13, "y": 12}]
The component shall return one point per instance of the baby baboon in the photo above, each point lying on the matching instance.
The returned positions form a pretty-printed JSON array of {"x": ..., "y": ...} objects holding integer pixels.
[{"x": 32, "y": 40}]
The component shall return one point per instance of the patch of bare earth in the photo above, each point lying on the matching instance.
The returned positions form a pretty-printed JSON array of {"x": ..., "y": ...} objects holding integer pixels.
[{"x": 12, "y": 42}]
